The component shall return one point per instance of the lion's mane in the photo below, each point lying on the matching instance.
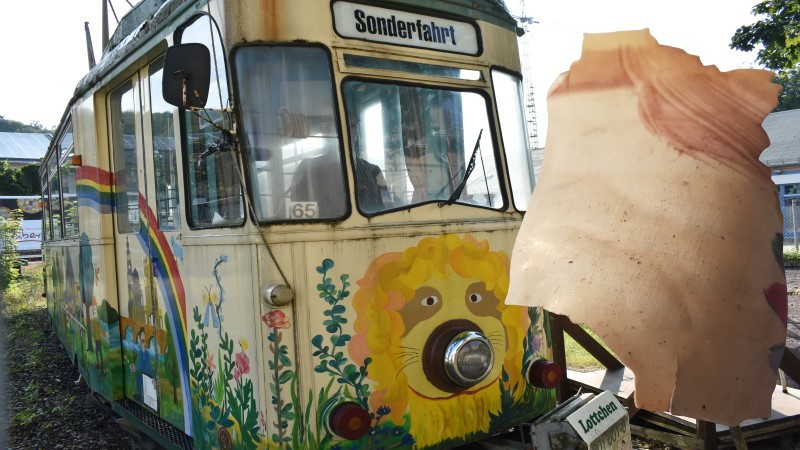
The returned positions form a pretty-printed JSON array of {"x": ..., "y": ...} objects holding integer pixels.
[{"x": 389, "y": 283}]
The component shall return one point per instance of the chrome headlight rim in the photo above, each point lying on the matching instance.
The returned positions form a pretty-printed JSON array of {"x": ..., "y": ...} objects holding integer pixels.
[{"x": 454, "y": 350}]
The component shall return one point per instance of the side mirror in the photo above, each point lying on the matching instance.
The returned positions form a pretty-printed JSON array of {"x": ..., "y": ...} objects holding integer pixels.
[{"x": 187, "y": 75}]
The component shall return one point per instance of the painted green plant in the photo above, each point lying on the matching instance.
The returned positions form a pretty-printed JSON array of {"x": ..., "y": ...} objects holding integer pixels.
[
  {"x": 223, "y": 397},
  {"x": 280, "y": 366},
  {"x": 349, "y": 378}
]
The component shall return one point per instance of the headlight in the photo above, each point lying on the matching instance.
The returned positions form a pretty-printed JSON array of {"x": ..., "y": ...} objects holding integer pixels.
[{"x": 468, "y": 358}]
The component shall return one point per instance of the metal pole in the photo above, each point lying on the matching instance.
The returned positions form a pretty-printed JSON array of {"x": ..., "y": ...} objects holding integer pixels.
[{"x": 794, "y": 226}]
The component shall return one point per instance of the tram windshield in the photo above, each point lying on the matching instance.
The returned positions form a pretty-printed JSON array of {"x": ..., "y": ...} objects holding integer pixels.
[
  {"x": 290, "y": 132},
  {"x": 413, "y": 145}
]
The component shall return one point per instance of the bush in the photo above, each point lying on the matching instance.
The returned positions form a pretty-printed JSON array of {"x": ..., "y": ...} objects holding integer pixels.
[
  {"x": 791, "y": 256},
  {"x": 9, "y": 258}
]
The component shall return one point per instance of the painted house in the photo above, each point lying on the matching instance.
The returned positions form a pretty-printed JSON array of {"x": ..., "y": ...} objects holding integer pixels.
[{"x": 783, "y": 158}]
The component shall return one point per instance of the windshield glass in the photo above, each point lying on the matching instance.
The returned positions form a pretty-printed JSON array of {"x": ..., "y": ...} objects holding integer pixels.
[
  {"x": 508, "y": 91},
  {"x": 413, "y": 145},
  {"x": 290, "y": 132}
]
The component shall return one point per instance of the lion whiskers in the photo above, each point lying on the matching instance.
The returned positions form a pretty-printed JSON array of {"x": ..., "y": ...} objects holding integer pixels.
[{"x": 409, "y": 356}]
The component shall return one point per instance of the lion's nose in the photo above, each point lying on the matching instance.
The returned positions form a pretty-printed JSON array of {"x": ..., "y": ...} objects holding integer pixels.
[{"x": 457, "y": 356}]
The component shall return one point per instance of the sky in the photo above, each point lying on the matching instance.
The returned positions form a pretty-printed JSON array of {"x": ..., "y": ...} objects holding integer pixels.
[{"x": 44, "y": 45}]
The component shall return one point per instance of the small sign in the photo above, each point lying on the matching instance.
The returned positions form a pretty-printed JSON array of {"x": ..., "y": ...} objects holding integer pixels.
[
  {"x": 150, "y": 393},
  {"x": 302, "y": 210},
  {"x": 372, "y": 23},
  {"x": 603, "y": 423}
]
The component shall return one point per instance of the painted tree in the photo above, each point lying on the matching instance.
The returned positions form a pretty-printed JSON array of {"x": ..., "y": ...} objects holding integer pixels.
[{"x": 171, "y": 360}]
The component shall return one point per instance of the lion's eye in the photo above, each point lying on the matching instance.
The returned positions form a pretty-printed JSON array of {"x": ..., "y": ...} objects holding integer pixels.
[
  {"x": 475, "y": 297},
  {"x": 430, "y": 300}
]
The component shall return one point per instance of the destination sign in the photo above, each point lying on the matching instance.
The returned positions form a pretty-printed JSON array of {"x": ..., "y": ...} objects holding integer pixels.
[{"x": 372, "y": 23}]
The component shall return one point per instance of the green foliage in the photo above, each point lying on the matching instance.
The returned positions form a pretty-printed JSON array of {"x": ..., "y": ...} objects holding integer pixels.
[
  {"x": 9, "y": 229},
  {"x": 350, "y": 378},
  {"x": 791, "y": 256},
  {"x": 22, "y": 181},
  {"x": 332, "y": 359},
  {"x": 13, "y": 126},
  {"x": 777, "y": 33},
  {"x": 789, "y": 98},
  {"x": 24, "y": 294}
]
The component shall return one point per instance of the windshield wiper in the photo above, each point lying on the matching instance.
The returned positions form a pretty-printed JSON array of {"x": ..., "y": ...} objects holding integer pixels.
[{"x": 470, "y": 167}]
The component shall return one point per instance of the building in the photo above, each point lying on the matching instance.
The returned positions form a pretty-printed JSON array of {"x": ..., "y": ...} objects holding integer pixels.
[
  {"x": 783, "y": 159},
  {"x": 20, "y": 149}
]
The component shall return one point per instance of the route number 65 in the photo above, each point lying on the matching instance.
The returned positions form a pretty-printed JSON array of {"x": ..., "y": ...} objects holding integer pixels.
[{"x": 302, "y": 210}]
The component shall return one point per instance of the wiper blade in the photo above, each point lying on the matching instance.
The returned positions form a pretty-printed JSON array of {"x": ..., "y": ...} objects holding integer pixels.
[{"x": 470, "y": 167}]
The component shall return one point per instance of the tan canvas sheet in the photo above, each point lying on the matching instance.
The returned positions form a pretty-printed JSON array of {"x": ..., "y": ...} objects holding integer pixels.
[{"x": 654, "y": 223}]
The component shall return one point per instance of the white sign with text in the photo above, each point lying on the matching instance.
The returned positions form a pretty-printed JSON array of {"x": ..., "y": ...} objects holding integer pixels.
[
  {"x": 603, "y": 423},
  {"x": 372, "y": 23}
]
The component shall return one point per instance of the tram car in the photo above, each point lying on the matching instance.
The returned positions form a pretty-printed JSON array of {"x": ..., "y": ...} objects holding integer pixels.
[{"x": 288, "y": 224}]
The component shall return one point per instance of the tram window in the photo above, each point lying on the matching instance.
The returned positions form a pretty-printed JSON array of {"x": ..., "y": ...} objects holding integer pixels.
[
  {"x": 123, "y": 134},
  {"x": 368, "y": 62},
  {"x": 511, "y": 112},
  {"x": 413, "y": 144},
  {"x": 215, "y": 193},
  {"x": 68, "y": 187},
  {"x": 164, "y": 161},
  {"x": 55, "y": 198},
  {"x": 290, "y": 131},
  {"x": 45, "y": 209}
]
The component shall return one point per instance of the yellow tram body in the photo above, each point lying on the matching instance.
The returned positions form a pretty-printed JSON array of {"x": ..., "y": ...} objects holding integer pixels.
[{"x": 319, "y": 256}]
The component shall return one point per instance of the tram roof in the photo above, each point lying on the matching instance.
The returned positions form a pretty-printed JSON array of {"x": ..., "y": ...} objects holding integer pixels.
[{"x": 148, "y": 18}]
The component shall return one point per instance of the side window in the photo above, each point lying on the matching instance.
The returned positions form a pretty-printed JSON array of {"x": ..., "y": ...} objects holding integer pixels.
[
  {"x": 166, "y": 168},
  {"x": 68, "y": 188},
  {"x": 55, "y": 198},
  {"x": 45, "y": 209},
  {"x": 215, "y": 192},
  {"x": 123, "y": 141}
]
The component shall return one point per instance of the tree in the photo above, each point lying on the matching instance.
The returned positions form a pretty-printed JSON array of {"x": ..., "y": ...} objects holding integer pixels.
[
  {"x": 13, "y": 126},
  {"x": 777, "y": 34},
  {"x": 789, "y": 98},
  {"x": 23, "y": 181}
]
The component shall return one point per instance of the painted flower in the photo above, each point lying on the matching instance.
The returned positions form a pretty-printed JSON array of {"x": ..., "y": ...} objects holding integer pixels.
[
  {"x": 210, "y": 363},
  {"x": 243, "y": 343},
  {"x": 263, "y": 419},
  {"x": 242, "y": 365},
  {"x": 536, "y": 343},
  {"x": 276, "y": 319}
]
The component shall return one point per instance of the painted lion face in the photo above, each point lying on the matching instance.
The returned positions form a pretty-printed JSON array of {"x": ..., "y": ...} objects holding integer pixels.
[{"x": 404, "y": 300}]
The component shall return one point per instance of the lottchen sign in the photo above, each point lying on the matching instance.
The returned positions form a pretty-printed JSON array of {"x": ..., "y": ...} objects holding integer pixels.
[{"x": 375, "y": 24}]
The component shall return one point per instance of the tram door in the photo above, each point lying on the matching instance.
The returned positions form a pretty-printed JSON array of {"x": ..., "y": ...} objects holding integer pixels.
[{"x": 147, "y": 223}]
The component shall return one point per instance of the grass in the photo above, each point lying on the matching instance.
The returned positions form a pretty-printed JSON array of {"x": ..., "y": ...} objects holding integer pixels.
[
  {"x": 577, "y": 357},
  {"x": 22, "y": 296},
  {"x": 25, "y": 293}
]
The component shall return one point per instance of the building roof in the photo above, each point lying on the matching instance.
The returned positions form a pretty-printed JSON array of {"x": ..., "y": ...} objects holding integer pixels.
[
  {"x": 21, "y": 147},
  {"x": 783, "y": 129}
]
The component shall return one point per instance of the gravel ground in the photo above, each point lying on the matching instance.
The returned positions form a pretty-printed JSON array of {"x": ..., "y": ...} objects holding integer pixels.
[{"x": 65, "y": 417}]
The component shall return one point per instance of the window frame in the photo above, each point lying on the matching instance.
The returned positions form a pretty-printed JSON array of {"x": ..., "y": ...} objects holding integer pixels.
[
  {"x": 490, "y": 117},
  {"x": 191, "y": 220},
  {"x": 65, "y": 163},
  {"x": 520, "y": 208},
  {"x": 337, "y": 103}
]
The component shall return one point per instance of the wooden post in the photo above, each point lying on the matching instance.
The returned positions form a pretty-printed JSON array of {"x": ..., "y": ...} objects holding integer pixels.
[
  {"x": 559, "y": 355},
  {"x": 707, "y": 431}
]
